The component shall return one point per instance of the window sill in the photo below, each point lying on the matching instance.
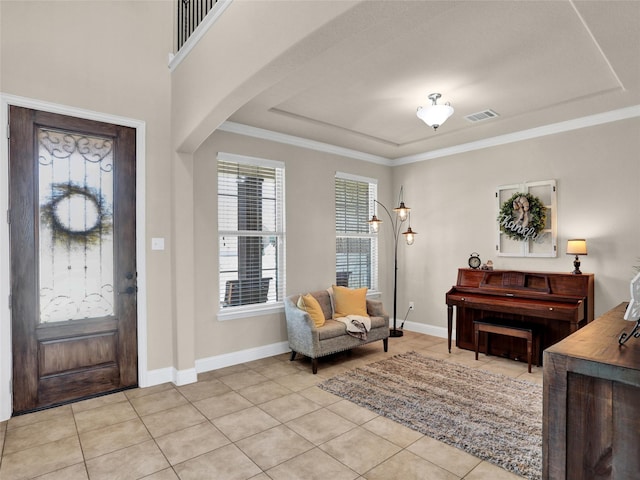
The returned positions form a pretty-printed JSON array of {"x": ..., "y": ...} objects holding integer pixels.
[{"x": 234, "y": 313}]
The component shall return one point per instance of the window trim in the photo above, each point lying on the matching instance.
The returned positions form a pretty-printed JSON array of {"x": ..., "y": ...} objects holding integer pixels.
[{"x": 255, "y": 309}]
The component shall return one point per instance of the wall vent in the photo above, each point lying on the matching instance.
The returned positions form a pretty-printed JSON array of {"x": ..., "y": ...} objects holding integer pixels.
[{"x": 480, "y": 116}]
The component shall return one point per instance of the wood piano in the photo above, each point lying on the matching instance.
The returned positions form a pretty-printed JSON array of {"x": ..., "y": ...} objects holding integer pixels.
[{"x": 557, "y": 304}]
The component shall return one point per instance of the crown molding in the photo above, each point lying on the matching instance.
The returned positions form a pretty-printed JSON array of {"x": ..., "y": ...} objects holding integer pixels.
[
  {"x": 241, "y": 129},
  {"x": 551, "y": 129}
]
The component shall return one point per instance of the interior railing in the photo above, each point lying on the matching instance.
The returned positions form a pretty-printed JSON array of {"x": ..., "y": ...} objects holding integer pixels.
[{"x": 190, "y": 14}]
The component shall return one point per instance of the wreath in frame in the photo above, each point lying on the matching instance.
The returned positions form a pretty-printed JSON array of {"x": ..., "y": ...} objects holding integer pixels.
[{"x": 522, "y": 217}]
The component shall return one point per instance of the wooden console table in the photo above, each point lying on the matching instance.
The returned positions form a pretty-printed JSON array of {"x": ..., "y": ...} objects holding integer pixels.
[{"x": 591, "y": 414}]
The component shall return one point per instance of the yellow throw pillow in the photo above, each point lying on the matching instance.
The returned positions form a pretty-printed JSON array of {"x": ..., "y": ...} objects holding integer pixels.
[
  {"x": 309, "y": 304},
  {"x": 350, "y": 301}
]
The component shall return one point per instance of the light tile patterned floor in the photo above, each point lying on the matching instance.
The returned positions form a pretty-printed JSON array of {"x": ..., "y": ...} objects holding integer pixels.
[{"x": 260, "y": 420}]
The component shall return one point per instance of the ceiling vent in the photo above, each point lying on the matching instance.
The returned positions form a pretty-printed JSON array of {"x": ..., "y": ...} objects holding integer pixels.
[{"x": 481, "y": 116}]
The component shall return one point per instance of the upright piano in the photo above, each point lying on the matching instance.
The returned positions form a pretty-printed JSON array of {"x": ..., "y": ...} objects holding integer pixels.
[{"x": 557, "y": 304}]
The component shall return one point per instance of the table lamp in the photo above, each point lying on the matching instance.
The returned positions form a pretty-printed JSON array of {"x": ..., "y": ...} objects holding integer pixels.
[{"x": 576, "y": 246}]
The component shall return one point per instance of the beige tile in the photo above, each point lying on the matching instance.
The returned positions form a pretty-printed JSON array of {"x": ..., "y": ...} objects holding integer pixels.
[
  {"x": 203, "y": 389},
  {"x": 299, "y": 381},
  {"x": 392, "y": 431},
  {"x": 264, "y": 392},
  {"x": 352, "y": 412},
  {"x": 487, "y": 470},
  {"x": 360, "y": 449},
  {"x": 320, "y": 426},
  {"x": 129, "y": 463},
  {"x": 313, "y": 465},
  {"x": 450, "y": 458},
  {"x": 223, "y": 372},
  {"x": 39, "y": 433},
  {"x": 191, "y": 442},
  {"x": 173, "y": 419},
  {"x": 224, "y": 404},
  {"x": 167, "y": 474},
  {"x": 41, "y": 416},
  {"x": 74, "y": 472},
  {"x": 244, "y": 379},
  {"x": 319, "y": 396},
  {"x": 158, "y": 402},
  {"x": 98, "y": 402},
  {"x": 104, "y": 440},
  {"x": 104, "y": 416},
  {"x": 226, "y": 463},
  {"x": 141, "y": 392},
  {"x": 289, "y": 407},
  {"x": 280, "y": 369},
  {"x": 244, "y": 423},
  {"x": 407, "y": 465},
  {"x": 260, "y": 476},
  {"x": 41, "y": 459},
  {"x": 274, "y": 446}
]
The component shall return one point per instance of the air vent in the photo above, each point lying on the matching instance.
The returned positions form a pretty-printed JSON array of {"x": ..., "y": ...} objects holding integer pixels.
[{"x": 480, "y": 116}]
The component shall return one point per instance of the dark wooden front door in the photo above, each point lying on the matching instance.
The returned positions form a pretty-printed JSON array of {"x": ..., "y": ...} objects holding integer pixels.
[{"x": 73, "y": 265}]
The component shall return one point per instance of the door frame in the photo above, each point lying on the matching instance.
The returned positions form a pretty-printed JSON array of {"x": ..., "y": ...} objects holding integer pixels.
[{"x": 6, "y": 353}]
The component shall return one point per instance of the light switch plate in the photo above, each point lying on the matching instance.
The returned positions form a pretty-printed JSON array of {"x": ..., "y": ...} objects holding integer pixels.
[{"x": 157, "y": 244}]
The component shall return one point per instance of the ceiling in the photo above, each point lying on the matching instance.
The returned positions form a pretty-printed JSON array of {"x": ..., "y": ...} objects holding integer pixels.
[{"x": 535, "y": 63}]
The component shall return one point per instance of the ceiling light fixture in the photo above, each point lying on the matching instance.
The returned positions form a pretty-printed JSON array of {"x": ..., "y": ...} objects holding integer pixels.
[{"x": 435, "y": 115}]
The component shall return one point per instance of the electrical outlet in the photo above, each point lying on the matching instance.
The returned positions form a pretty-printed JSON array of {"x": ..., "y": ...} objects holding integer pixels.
[{"x": 411, "y": 306}]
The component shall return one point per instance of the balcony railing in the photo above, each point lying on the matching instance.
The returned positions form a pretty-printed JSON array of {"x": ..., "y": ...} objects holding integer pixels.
[{"x": 190, "y": 14}]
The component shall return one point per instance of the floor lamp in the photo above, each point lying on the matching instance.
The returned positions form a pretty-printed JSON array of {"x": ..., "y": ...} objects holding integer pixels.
[{"x": 402, "y": 214}]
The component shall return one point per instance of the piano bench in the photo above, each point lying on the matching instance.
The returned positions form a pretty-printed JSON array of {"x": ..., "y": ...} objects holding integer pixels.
[{"x": 490, "y": 325}]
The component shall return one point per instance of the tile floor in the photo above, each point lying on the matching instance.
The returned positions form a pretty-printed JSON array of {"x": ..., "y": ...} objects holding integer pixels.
[{"x": 260, "y": 420}]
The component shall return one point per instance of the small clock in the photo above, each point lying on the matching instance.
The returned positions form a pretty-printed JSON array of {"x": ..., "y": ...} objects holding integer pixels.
[{"x": 474, "y": 261}]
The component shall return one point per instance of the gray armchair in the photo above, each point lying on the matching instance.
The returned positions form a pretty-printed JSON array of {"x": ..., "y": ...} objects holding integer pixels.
[{"x": 314, "y": 342}]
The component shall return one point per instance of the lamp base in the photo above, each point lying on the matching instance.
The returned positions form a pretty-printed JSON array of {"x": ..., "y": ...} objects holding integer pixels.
[
  {"x": 576, "y": 266},
  {"x": 394, "y": 332}
]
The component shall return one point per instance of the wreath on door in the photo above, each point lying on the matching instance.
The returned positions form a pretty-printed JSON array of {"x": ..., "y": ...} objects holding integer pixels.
[{"x": 522, "y": 217}]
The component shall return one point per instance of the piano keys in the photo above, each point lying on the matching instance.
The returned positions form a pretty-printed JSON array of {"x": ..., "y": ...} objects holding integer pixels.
[{"x": 558, "y": 304}]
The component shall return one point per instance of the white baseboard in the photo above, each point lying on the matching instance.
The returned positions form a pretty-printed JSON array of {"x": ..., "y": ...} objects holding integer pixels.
[
  {"x": 428, "y": 329},
  {"x": 184, "y": 377},
  {"x": 242, "y": 356}
]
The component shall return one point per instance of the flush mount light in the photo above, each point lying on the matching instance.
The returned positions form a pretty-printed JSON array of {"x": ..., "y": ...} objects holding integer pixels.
[{"x": 435, "y": 115}]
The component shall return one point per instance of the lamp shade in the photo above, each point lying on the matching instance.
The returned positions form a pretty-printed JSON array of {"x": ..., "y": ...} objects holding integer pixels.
[
  {"x": 577, "y": 246},
  {"x": 435, "y": 115}
]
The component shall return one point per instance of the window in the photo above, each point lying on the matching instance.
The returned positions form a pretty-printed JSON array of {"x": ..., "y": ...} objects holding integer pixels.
[
  {"x": 250, "y": 230},
  {"x": 356, "y": 247}
]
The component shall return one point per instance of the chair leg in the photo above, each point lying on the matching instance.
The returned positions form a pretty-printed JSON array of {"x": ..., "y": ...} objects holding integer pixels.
[
  {"x": 293, "y": 356},
  {"x": 314, "y": 365},
  {"x": 385, "y": 344}
]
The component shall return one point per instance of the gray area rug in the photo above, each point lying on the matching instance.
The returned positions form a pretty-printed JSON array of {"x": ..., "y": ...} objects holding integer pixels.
[{"x": 493, "y": 417}]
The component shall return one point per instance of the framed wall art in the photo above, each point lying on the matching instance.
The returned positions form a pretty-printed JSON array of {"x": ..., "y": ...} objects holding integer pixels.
[{"x": 526, "y": 219}]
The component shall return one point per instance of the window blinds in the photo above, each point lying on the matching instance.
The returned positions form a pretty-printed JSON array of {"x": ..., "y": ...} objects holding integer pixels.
[
  {"x": 356, "y": 247},
  {"x": 250, "y": 230}
]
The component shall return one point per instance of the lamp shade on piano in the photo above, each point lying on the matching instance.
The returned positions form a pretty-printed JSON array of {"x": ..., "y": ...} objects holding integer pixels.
[{"x": 576, "y": 246}]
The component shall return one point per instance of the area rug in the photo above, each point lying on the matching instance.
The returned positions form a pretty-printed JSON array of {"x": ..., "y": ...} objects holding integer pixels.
[{"x": 493, "y": 417}]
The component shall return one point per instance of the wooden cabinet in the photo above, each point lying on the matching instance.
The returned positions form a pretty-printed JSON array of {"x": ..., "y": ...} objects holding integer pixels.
[{"x": 591, "y": 421}]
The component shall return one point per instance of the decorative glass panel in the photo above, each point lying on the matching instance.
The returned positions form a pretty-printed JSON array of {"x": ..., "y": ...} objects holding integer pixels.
[{"x": 76, "y": 226}]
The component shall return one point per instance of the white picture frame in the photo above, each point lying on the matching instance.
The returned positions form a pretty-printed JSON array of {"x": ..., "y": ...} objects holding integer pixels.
[{"x": 539, "y": 244}]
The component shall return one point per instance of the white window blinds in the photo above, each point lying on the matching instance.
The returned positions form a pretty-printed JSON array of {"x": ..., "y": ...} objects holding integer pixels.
[
  {"x": 356, "y": 247},
  {"x": 250, "y": 230}
]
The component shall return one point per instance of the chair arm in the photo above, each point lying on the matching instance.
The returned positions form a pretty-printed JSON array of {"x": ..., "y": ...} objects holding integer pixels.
[
  {"x": 302, "y": 331},
  {"x": 376, "y": 309}
]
